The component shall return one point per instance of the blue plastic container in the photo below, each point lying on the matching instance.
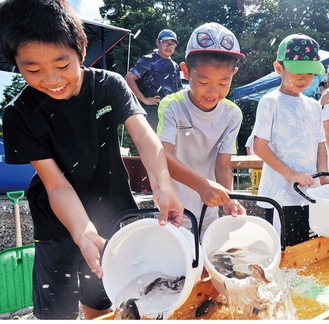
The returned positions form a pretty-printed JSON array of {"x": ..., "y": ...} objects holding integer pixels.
[{"x": 13, "y": 176}]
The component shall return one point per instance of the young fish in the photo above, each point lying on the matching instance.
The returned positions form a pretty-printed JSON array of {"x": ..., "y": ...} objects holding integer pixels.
[
  {"x": 223, "y": 264},
  {"x": 159, "y": 283},
  {"x": 207, "y": 306},
  {"x": 129, "y": 310},
  {"x": 257, "y": 272},
  {"x": 233, "y": 250}
]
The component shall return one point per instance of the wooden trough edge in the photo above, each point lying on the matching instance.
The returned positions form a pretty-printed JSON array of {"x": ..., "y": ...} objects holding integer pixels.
[{"x": 305, "y": 253}]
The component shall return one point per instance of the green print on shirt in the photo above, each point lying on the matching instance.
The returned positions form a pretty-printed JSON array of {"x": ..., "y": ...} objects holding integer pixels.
[{"x": 103, "y": 111}]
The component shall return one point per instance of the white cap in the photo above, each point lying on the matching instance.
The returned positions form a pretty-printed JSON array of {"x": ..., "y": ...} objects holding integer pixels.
[{"x": 213, "y": 37}]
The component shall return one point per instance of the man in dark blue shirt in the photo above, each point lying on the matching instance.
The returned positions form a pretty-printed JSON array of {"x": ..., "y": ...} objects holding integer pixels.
[{"x": 156, "y": 75}]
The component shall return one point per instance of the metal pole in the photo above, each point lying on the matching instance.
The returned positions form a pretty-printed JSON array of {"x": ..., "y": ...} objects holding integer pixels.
[
  {"x": 103, "y": 48},
  {"x": 128, "y": 63},
  {"x": 129, "y": 44}
]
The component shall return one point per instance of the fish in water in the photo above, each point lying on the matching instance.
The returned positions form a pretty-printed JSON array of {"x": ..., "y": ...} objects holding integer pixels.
[
  {"x": 257, "y": 272},
  {"x": 222, "y": 262},
  {"x": 233, "y": 250},
  {"x": 207, "y": 306},
  {"x": 159, "y": 283},
  {"x": 129, "y": 310}
]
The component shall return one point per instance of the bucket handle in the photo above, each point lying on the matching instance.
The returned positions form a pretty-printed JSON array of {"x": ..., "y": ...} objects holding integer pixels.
[
  {"x": 125, "y": 215},
  {"x": 316, "y": 175},
  {"x": 257, "y": 198}
]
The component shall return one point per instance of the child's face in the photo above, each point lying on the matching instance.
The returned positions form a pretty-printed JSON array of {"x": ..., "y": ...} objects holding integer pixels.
[
  {"x": 209, "y": 84},
  {"x": 52, "y": 69},
  {"x": 292, "y": 84}
]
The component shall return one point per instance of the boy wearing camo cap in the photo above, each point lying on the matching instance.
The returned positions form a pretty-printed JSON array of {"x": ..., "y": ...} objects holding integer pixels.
[{"x": 198, "y": 126}]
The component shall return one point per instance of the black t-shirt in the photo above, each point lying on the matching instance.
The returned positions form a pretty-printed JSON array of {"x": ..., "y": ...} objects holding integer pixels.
[{"x": 80, "y": 134}]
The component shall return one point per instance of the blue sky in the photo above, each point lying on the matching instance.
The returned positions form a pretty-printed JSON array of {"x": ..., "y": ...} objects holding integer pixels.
[{"x": 88, "y": 9}]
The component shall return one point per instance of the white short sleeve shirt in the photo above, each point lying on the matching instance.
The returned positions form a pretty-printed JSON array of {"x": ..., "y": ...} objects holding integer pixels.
[{"x": 294, "y": 128}]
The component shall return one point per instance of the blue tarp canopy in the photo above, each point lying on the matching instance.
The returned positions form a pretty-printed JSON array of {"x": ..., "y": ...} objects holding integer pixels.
[
  {"x": 255, "y": 90},
  {"x": 101, "y": 39}
]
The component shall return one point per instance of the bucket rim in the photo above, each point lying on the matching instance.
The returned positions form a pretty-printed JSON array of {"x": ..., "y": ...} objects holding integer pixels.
[
  {"x": 313, "y": 192},
  {"x": 241, "y": 218},
  {"x": 174, "y": 234}
]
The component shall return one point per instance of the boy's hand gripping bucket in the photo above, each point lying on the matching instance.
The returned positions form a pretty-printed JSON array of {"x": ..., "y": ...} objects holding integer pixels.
[
  {"x": 252, "y": 237},
  {"x": 150, "y": 266},
  {"x": 318, "y": 207}
]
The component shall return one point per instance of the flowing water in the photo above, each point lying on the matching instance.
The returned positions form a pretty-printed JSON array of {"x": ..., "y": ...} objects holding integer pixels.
[{"x": 254, "y": 293}]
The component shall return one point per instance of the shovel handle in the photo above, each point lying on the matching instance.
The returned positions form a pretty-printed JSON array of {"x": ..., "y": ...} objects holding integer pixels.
[
  {"x": 316, "y": 175},
  {"x": 18, "y": 226},
  {"x": 15, "y": 197}
]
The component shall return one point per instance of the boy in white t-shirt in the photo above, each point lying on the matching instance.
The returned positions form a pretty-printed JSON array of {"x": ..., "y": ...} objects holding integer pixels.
[
  {"x": 198, "y": 126},
  {"x": 289, "y": 135},
  {"x": 324, "y": 101}
]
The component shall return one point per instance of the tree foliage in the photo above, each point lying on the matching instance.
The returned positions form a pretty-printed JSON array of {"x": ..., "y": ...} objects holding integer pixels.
[
  {"x": 12, "y": 90},
  {"x": 258, "y": 24}
]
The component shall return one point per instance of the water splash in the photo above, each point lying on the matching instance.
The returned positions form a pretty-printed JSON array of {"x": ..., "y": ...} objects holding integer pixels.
[
  {"x": 255, "y": 299},
  {"x": 253, "y": 292}
]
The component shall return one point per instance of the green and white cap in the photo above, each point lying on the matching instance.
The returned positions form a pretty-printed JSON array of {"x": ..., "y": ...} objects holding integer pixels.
[{"x": 300, "y": 54}]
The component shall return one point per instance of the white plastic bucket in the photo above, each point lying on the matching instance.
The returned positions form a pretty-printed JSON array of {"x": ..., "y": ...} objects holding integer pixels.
[
  {"x": 319, "y": 211},
  {"x": 245, "y": 233},
  {"x": 144, "y": 247}
]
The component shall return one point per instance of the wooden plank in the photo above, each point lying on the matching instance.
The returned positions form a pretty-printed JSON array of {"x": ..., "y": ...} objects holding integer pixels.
[
  {"x": 305, "y": 253},
  {"x": 246, "y": 162},
  {"x": 237, "y": 161},
  {"x": 203, "y": 296},
  {"x": 203, "y": 301}
]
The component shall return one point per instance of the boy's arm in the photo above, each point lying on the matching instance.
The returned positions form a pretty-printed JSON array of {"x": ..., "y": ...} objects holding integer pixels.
[
  {"x": 223, "y": 171},
  {"x": 322, "y": 165},
  {"x": 324, "y": 100},
  {"x": 153, "y": 158},
  {"x": 326, "y": 129},
  {"x": 224, "y": 176},
  {"x": 262, "y": 149},
  {"x": 67, "y": 206},
  {"x": 211, "y": 193}
]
